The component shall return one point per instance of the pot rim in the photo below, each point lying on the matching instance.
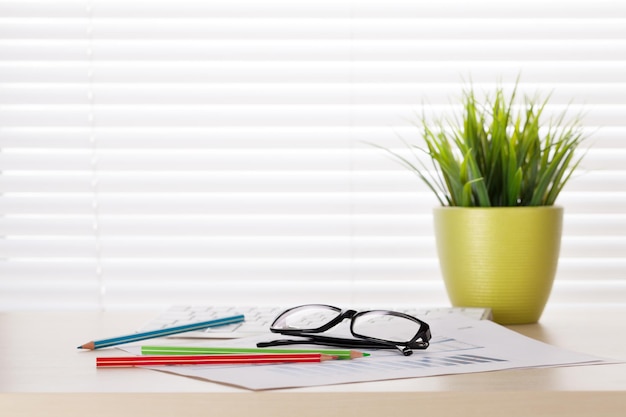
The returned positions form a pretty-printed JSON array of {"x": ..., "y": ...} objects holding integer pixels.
[{"x": 552, "y": 207}]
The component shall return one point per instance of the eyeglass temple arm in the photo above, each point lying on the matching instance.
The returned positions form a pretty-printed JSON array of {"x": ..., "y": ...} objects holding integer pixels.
[
  {"x": 362, "y": 344},
  {"x": 405, "y": 350}
]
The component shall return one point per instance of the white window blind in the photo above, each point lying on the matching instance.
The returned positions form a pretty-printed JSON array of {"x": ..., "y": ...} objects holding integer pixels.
[{"x": 163, "y": 152}]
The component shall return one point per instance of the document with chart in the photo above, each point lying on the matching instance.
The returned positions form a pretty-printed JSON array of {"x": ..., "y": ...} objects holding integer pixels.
[{"x": 459, "y": 345}]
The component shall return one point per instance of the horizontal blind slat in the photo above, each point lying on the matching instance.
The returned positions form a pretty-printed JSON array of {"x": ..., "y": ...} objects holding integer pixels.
[
  {"x": 192, "y": 271},
  {"x": 274, "y": 203},
  {"x": 318, "y": 9},
  {"x": 578, "y": 225},
  {"x": 174, "y": 182},
  {"x": 285, "y": 94},
  {"x": 429, "y": 71},
  {"x": 309, "y": 28},
  {"x": 318, "y": 50},
  {"x": 137, "y": 139},
  {"x": 262, "y": 116},
  {"x": 228, "y": 247},
  {"x": 230, "y": 162}
]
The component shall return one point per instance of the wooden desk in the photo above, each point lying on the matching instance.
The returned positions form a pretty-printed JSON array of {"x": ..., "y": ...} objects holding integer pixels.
[{"x": 42, "y": 373}]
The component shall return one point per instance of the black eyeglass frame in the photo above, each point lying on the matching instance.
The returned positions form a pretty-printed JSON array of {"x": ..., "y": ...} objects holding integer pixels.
[{"x": 419, "y": 341}]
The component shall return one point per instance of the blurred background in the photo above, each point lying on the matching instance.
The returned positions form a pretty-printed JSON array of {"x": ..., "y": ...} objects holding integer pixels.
[{"x": 211, "y": 152}]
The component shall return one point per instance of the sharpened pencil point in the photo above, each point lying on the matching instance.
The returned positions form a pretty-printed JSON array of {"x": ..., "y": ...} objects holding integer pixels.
[
  {"x": 88, "y": 345},
  {"x": 356, "y": 354}
]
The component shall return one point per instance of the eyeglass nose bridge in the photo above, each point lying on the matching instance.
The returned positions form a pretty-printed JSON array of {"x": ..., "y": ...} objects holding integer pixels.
[{"x": 348, "y": 314}]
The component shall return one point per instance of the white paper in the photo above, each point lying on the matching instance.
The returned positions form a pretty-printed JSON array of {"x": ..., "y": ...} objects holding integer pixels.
[{"x": 459, "y": 345}]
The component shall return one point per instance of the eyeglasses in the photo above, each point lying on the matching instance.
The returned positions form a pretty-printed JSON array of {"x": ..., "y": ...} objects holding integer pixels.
[{"x": 374, "y": 329}]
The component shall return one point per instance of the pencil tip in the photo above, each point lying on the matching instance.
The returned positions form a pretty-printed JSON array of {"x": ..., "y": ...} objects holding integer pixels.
[
  {"x": 357, "y": 354},
  {"x": 88, "y": 345}
]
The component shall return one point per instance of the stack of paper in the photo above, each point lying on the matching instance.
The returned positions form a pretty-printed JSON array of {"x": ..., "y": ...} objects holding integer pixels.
[{"x": 459, "y": 345}]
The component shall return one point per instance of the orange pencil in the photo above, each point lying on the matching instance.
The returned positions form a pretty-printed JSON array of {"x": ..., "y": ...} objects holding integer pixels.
[{"x": 155, "y": 360}]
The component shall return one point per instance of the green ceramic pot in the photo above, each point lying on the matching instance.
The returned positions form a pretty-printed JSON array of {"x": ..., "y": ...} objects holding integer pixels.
[{"x": 504, "y": 258}]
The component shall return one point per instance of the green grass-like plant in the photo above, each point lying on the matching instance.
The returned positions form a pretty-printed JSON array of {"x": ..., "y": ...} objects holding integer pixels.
[{"x": 497, "y": 156}]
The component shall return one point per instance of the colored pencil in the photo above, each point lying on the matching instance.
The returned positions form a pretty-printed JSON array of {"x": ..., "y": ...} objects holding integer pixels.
[
  {"x": 157, "y": 360},
  {"x": 202, "y": 350},
  {"x": 97, "y": 344}
]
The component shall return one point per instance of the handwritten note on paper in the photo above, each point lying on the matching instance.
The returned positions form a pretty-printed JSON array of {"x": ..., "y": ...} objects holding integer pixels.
[{"x": 460, "y": 345}]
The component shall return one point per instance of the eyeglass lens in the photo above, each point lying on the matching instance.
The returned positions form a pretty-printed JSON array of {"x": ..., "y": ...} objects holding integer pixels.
[
  {"x": 384, "y": 326},
  {"x": 306, "y": 318}
]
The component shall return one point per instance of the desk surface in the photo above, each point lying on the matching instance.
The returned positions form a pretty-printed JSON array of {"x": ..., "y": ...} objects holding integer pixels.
[{"x": 41, "y": 369}]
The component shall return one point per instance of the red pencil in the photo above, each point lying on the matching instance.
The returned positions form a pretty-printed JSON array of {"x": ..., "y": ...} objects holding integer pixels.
[{"x": 154, "y": 360}]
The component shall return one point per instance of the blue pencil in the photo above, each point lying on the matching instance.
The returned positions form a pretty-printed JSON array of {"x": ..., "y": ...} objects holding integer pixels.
[{"x": 97, "y": 344}]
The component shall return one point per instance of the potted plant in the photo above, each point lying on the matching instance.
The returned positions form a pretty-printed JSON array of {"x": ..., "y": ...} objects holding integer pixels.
[{"x": 497, "y": 172}]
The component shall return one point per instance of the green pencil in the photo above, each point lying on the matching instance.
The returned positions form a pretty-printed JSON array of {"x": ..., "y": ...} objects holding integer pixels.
[{"x": 200, "y": 350}]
